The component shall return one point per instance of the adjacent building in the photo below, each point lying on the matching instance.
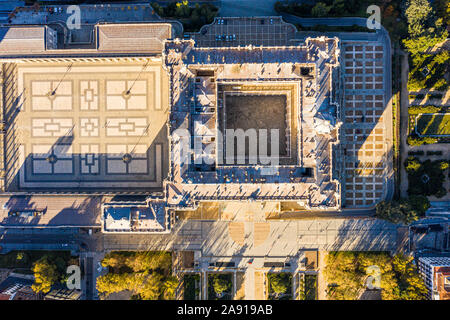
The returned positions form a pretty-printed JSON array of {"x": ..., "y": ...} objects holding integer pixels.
[{"x": 436, "y": 271}]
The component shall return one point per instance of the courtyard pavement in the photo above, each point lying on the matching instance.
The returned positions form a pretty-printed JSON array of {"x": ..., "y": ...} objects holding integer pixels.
[{"x": 71, "y": 126}]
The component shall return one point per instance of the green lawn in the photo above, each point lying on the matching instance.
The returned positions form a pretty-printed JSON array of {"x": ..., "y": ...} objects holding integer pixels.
[{"x": 433, "y": 124}]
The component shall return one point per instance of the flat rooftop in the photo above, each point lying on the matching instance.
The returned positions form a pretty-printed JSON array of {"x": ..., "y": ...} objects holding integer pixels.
[{"x": 289, "y": 88}]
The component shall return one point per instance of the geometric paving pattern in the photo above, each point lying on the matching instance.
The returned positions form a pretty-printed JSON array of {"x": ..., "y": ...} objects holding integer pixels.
[
  {"x": 364, "y": 128},
  {"x": 91, "y": 126}
]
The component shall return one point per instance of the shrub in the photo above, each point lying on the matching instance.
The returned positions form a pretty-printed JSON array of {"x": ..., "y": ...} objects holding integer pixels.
[
  {"x": 437, "y": 66},
  {"x": 444, "y": 165},
  {"x": 418, "y": 141},
  {"x": 320, "y": 10},
  {"x": 220, "y": 285},
  {"x": 423, "y": 109},
  {"x": 434, "y": 153},
  {"x": 416, "y": 153},
  {"x": 412, "y": 164},
  {"x": 397, "y": 211}
]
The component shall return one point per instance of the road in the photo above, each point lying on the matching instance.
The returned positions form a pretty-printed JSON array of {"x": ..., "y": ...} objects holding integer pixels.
[
  {"x": 38, "y": 239},
  {"x": 247, "y": 8},
  {"x": 76, "y": 240}
]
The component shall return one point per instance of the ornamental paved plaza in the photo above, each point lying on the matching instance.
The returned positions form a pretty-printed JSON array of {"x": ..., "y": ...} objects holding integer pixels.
[{"x": 89, "y": 127}]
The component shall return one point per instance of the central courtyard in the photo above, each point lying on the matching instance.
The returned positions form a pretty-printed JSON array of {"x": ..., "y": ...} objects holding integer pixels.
[
  {"x": 88, "y": 125},
  {"x": 261, "y": 107},
  {"x": 259, "y": 112}
]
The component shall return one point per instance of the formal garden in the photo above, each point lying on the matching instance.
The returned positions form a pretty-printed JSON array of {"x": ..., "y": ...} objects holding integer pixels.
[
  {"x": 428, "y": 124},
  {"x": 220, "y": 286},
  {"x": 428, "y": 71},
  {"x": 191, "y": 286},
  {"x": 347, "y": 275},
  {"x": 428, "y": 78},
  {"x": 193, "y": 17},
  {"x": 279, "y": 286},
  {"x": 145, "y": 275},
  {"x": 433, "y": 124},
  {"x": 426, "y": 178},
  {"x": 48, "y": 267}
]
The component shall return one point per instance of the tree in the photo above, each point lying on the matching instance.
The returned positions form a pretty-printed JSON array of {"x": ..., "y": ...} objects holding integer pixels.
[
  {"x": 427, "y": 180},
  {"x": 220, "y": 285},
  {"x": 182, "y": 9},
  {"x": 411, "y": 284},
  {"x": 45, "y": 275},
  {"x": 420, "y": 203},
  {"x": 404, "y": 211},
  {"x": 443, "y": 165},
  {"x": 343, "y": 277},
  {"x": 347, "y": 273},
  {"x": 151, "y": 289},
  {"x": 278, "y": 283},
  {"x": 170, "y": 287},
  {"x": 339, "y": 7},
  {"x": 418, "y": 13},
  {"x": 158, "y": 9},
  {"x": 320, "y": 10},
  {"x": 114, "y": 260},
  {"x": 412, "y": 164},
  {"x": 111, "y": 283}
]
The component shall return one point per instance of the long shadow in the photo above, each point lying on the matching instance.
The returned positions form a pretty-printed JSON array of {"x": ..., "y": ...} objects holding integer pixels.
[
  {"x": 365, "y": 235},
  {"x": 63, "y": 171}
]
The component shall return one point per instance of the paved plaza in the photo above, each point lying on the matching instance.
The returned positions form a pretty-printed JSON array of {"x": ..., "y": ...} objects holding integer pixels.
[
  {"x": 89, "y": 126},
  {"x": 284, "y": 238},
  {"x": 367, "y": 124}
]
